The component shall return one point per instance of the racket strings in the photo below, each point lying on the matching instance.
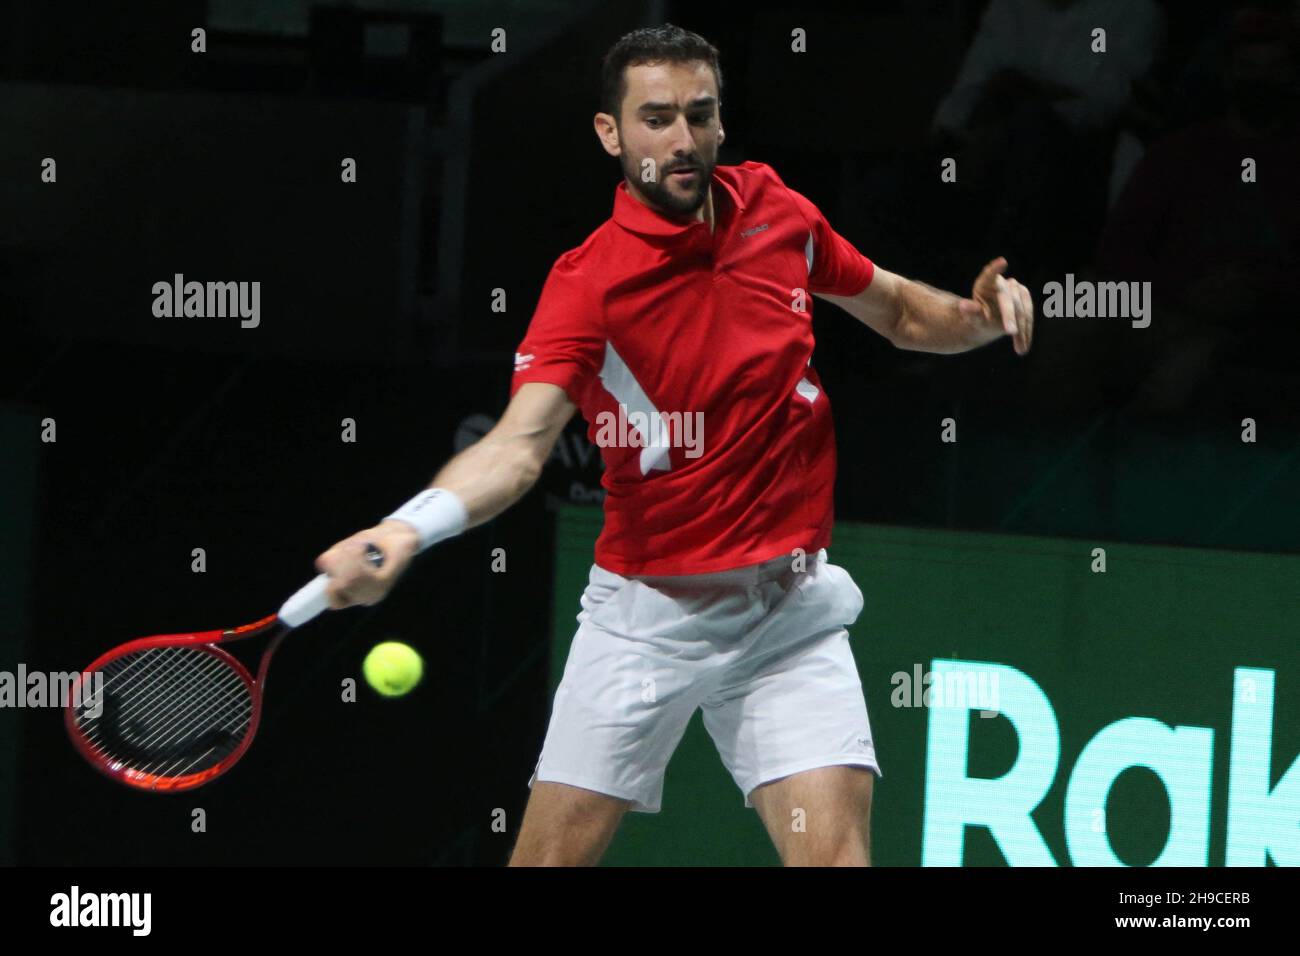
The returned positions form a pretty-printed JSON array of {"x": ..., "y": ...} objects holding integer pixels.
[
  {"x": 167, "y": 711},
  {"x": 164, "y": 684},
  {"x": 186, "y": 727}
]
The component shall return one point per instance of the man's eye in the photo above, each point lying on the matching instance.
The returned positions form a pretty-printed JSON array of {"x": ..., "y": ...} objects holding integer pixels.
[{"x": 701, "y": 119}]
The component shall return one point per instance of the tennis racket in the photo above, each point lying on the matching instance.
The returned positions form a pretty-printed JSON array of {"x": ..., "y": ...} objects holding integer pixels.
[{"x": 176, "y": 711}]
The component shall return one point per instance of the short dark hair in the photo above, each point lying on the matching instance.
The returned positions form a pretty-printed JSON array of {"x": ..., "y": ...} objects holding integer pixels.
[{"x": 665, "y": 44}]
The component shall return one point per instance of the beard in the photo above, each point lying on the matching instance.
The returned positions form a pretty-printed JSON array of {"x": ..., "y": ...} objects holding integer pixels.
[{"x": 667, "y": 197}]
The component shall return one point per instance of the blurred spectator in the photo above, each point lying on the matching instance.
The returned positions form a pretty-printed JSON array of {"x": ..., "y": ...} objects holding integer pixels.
[
  {"x": 1032, "y": 117},
  {"x": 1044, "y": 48},
  {"x": 1221, "y": 254}
]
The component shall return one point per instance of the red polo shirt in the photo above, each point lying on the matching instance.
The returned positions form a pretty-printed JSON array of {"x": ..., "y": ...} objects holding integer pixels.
[{"x": 723, "y": 452}]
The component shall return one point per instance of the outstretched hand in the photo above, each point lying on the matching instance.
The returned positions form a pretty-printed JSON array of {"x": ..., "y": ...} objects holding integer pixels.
[{"x": 1001, "y": 303}]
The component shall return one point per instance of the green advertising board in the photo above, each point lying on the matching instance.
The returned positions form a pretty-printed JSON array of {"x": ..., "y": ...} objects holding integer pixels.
[{"x": 1035, "y": 702}]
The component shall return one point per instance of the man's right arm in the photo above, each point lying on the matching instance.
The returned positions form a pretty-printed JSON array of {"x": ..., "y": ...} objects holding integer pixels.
[{"x": 488, "y": 477}]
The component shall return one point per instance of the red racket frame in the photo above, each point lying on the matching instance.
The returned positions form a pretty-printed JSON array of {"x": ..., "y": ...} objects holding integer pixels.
[{"x": 205, "y": 641}]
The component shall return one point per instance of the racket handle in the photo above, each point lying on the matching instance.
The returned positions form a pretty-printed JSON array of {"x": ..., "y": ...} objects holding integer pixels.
[{"x": 308, "y": 601}]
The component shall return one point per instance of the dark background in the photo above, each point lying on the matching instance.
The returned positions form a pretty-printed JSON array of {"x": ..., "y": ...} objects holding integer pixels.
[{"x": 476, "y": 170}]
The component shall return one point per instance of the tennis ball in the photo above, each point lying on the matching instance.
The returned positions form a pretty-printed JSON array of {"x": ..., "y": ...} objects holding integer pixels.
[{"x": 392, "y": 668}]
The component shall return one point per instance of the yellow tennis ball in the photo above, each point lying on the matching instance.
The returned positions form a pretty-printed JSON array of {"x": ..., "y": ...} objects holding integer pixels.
[{"x": 392, "y": 668}]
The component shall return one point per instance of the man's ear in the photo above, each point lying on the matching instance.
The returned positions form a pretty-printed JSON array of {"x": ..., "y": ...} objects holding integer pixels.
[{"x": 722, "y": 134}]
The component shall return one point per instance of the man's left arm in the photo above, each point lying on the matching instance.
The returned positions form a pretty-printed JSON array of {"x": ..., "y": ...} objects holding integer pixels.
[{"x": 915, "y": 316}]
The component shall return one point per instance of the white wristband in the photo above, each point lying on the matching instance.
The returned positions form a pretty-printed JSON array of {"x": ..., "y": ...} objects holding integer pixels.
[{"x": 435, "y": 514}]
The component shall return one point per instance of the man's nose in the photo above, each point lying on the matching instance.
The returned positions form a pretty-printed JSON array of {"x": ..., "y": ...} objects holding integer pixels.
[{"x": 682, "y": 142}]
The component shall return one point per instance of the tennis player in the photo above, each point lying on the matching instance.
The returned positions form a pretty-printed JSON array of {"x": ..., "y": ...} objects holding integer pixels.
[{"x": 711, "y": 587}]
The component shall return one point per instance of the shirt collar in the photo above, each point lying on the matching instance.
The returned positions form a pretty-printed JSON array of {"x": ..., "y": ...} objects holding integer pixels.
[{"x": 635, "y": 216}]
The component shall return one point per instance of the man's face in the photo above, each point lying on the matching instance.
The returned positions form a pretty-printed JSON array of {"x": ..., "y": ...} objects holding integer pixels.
[{"x": 669, "y": 123}]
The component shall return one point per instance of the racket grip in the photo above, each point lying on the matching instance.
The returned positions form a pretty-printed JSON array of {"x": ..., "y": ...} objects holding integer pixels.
[{"x": 308, "y": 601}]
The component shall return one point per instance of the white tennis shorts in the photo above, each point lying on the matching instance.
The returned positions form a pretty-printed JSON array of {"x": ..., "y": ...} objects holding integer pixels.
[{"x": 763, "y": 650}]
